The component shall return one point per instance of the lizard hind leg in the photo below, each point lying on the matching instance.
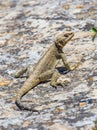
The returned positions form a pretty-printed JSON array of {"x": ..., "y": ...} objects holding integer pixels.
[
  {"x": 54, "y": 79},
  {"x": 52, "y": 74},
  {"x": 20, "y": 72}
]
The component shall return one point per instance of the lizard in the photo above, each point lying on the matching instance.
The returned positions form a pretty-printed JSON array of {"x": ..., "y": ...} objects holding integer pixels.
[{"x": 45, "y": 69}]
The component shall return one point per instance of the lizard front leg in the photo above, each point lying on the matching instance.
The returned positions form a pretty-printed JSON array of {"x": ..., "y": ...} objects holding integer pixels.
[{"x": 66, "y": 64}]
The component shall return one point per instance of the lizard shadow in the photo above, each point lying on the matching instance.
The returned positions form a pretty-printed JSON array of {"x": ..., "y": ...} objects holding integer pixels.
[{"x": 62, "y": 70}]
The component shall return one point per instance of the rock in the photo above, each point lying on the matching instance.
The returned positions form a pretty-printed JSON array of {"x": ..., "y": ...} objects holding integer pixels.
[
  {"x": 4, "y": 81},
  {"x": 27, "y": 29},
  {"x": 57, "y": 126},
  {"x": 81, "y": 34},
  {"x": 23, "y": 56}
]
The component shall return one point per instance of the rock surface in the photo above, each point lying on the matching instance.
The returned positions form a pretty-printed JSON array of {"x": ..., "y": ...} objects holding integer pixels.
[{"x": 27, "y": 29}]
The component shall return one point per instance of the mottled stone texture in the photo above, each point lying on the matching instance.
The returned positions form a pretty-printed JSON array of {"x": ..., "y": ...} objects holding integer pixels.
[{"x": 27, "y": 29}]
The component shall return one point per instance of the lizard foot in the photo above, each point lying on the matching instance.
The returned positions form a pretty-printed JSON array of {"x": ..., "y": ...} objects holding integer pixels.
[
  {"x": 60, "y": 85},
  {"x": 73, "y": 67},
  {"x": 63, "y": 81}
]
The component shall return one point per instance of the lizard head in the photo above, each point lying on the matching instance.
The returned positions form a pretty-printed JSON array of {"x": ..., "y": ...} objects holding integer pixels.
[{"x": 63, "y": 38}]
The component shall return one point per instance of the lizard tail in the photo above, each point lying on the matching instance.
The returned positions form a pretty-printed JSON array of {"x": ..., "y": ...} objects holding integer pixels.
[
  {"x": 22, "y": 107},
  {"x": 28, "y": 85}
]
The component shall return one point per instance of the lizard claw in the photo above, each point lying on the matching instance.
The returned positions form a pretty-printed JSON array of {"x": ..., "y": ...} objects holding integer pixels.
[{"x": 62, "y": 84}]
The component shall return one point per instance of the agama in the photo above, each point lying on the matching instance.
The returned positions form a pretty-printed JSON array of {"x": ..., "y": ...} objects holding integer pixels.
[{"x": 46, "y": 68}]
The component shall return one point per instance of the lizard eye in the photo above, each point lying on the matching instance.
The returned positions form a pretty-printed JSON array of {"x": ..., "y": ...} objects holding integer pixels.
[{"x": 66, "y": 35}]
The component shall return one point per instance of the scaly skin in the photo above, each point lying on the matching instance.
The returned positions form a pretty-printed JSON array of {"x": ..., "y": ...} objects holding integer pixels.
[{"x": 46, "y": 68}]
